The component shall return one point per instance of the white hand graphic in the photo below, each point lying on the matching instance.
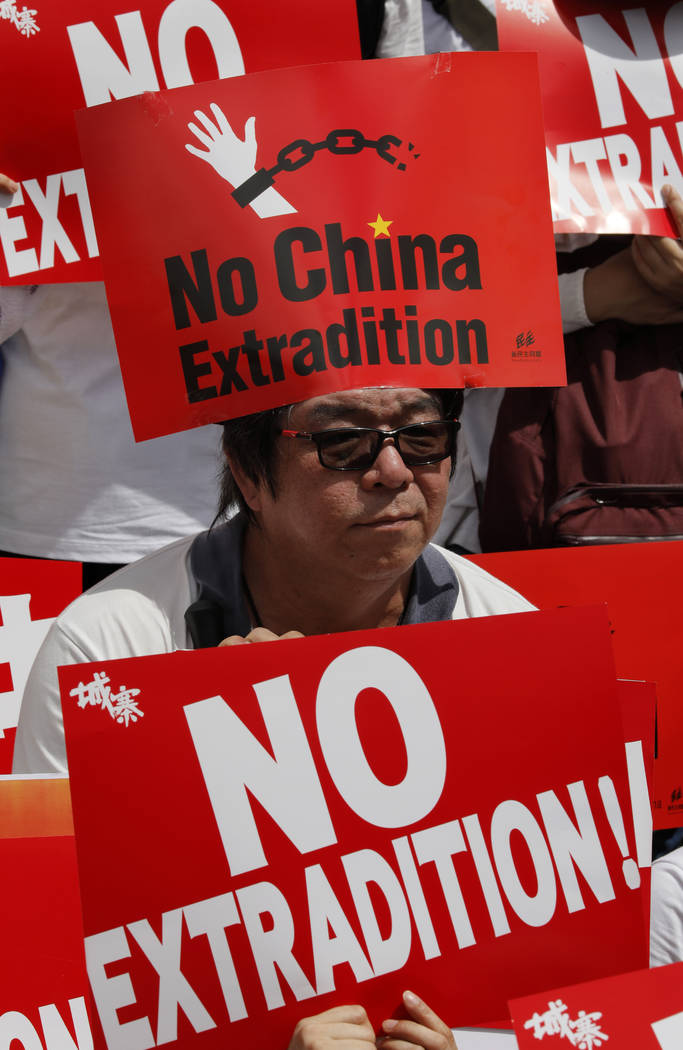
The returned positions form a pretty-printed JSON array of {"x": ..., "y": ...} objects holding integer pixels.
[{"x": 234, "y": 159}]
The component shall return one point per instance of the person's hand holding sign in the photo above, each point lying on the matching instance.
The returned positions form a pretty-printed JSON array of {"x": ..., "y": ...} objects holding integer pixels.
[
  {"x": 8, "y": 187},
  {"x": 234, "y": 159},
  {"x": 421, "y": 1029},
  {"x": 659, "y": 260},
  {"x": 259, "y": 634},
  {"x": 615, "y": 290},
  {"x": 348, "y": 1028},
  {"x": 341, "y": 1028}
]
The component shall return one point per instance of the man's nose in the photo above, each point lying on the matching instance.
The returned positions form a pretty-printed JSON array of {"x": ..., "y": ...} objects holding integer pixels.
[{"x": 388, "y": 468}]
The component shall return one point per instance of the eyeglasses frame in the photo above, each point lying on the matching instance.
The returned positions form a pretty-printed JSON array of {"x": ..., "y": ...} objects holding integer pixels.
[{"x": 382, "y": 436}]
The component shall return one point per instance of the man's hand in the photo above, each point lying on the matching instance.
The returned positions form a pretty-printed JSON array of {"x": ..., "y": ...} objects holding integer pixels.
[
  {"x": 423, "y": 1029},
  {"x": 259, "y": 634},
  {"x": 659, "y": 260},
  {"x": 341, "y": 1028},
  {"x": 8, "y": 185},
  {"x": 616, "y": 290}
]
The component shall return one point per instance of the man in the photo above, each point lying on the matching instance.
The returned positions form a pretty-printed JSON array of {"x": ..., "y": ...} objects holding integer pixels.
[
  {"x": 332, "y": 535},
  {"x": 339, "y": 496}
]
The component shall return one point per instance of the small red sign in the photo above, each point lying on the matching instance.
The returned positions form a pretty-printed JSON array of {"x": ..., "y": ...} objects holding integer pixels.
[
  {"x": 612, "y": 91},
  {"x": 634, "y": 1011},
  {"x": 60, "y": 57}
]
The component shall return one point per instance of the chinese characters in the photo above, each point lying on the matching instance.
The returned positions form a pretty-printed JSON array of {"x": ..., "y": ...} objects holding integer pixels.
[
  {"x": 583, "y": 1031},
  {"x": 23, "y": 20},
  {"x": 533, "y": 9},
  {"x": 121, "y": 706}
]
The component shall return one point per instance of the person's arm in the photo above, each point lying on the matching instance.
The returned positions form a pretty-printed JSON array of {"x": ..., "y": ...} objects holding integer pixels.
[
  {"x": 617, "y": 290},
  {"x": 644, "y": 283},
  {"x": 572, "y": 302},
  {"x": 659, "y": 260}
]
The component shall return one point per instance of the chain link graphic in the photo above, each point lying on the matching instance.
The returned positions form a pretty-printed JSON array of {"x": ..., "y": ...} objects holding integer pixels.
[{"x": 296, "y": 154}]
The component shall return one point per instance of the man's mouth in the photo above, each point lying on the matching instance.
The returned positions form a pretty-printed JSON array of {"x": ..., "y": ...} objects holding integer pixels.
[{"x": 388, "y": 521}]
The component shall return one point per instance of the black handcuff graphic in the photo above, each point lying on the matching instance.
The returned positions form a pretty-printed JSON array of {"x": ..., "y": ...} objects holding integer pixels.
[{"x": 288, "y": 160}]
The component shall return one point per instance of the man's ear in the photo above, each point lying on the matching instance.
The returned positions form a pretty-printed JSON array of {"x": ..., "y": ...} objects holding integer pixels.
[{"x": 251, "y": 491}]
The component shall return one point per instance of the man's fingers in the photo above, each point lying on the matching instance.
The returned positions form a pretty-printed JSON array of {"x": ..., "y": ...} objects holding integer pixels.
[
  {"x": 674, "y": 203},
  {"x": 659, "y": 261},
  {"x": 259, "y": 634},
  {"x": 346, "y": 1026},
  {"x": 647, "y": 259},
  {"x": 7, "y": 184},
  {"x": 351, "y": 1013},
  {"x": 423, "y": 1028},
  {"x": 409, "y": 1035}
]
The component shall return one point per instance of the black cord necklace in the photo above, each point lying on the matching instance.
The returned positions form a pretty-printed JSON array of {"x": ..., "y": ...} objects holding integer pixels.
[{"x": 256, "y": 616}]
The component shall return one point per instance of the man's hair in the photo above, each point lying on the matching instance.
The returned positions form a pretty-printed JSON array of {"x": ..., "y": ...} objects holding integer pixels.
[{"x": 250, "y": 441}]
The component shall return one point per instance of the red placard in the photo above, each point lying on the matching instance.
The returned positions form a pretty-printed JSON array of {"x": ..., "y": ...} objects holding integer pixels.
[
  {"x": 641, "y": 583},
  {"x": 611, "y": 80},
  {"x": 634, "y": 1011},
  {"x": 44, "y": 997},
  {"x": 32, "y": 593},
  {"x": 337, "y": 818},
  {"x": 367, "y": 230},
  {"x": 60, "y": 57}
]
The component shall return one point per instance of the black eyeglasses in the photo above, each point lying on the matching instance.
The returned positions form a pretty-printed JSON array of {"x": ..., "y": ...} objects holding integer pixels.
[{"x": 357, "y": 448}]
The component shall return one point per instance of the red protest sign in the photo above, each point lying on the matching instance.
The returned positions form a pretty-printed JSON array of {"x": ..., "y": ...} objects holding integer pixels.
[
  {"x": 640, "y": 582},
  {"x": 348, "y": 225},
  {"x": 32, "y": 593},
  {"x": 59, "y": 58},
  {"x": 337, "y": 818},
  {"x": 634, "y": 1011},
  {"x": 638, "y": 701},
  {"x": 612, "y": 92},
  {"x": 44, "y": 984}
]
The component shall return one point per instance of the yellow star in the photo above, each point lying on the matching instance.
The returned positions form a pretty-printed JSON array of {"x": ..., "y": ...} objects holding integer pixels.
[{"x": 381, "y": 226}]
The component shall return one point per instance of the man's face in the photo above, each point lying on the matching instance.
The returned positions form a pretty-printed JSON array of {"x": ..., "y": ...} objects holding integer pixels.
[{"x": 371, "y": 523}]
